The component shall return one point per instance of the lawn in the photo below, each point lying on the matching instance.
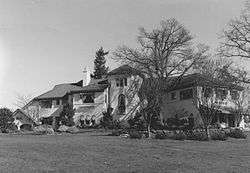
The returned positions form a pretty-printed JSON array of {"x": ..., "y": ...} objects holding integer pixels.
[{"x": 96, "y": 152}]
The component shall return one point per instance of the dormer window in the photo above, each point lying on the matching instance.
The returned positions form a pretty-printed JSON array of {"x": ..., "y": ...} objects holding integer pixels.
[
  {"x": 234, "y": 95},
  {"x": 186, "y": 94},
  {"x": 221, "y": 94},
  {"x": 57, "y": 102},
  {"x": 87, "y": 98},
  {"x": 121, "y": 82},
  {"x": 207, "y": 92},
  {"x": 173, "y": 96}
]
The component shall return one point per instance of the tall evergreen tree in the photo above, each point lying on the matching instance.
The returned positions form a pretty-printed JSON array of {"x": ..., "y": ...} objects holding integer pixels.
[{"x": 99, "y": 63}]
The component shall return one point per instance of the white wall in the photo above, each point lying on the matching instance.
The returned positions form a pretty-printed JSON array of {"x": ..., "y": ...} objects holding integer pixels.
[
  {"x": 130, "y": 91},
  {"x": 183, "y": 108},
  {"x": 89, "y": 110}
]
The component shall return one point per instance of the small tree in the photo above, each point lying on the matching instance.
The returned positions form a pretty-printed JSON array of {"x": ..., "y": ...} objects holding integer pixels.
[
  {"x": 107, "y": 119},
  {"x": 208, "y": 109},
  {"x": 100, "y": 68},
  {"x": 240, "y": 105},
  {"x": 66, "y": 116},
  {"x": 6, "y": 119}
]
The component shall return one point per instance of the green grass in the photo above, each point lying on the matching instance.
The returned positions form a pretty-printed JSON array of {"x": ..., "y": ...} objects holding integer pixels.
[{"x": 95, "y": 152}]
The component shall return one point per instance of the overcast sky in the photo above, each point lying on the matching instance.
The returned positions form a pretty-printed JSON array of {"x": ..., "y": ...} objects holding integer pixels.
[{"x": 47, "y": 42}]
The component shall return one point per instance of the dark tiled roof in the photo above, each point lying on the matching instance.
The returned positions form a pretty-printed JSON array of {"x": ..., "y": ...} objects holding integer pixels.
[
  {"x": 125, "y": 69},
  {"x": 190, "y": 80},
  {"x": 59, "y": 91},
  {"x": 92, "y": 88}
]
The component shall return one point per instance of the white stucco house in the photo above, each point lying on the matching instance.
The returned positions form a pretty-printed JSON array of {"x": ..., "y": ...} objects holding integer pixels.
[
  {"x": 91, "y": 97},
  {"x": 119, "y": 90}
]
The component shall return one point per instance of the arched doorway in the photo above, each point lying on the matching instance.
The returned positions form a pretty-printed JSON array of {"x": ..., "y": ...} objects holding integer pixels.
[{"x": 121, "y": 104}]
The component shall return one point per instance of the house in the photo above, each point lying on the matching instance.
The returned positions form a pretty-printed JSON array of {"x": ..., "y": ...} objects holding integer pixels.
[
  {"x": 119, "y": 90},
  {"x": 182, "y": 99},
  {"x": 21, "y": 118},
  {"x": 91, "y": 97}
]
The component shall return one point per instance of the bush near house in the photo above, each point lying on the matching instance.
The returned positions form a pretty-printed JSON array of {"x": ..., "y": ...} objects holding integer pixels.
[
  {"x": 107, "y": 119},
  {"x": 217, "y": 134},
  {"x": 236, "y": 133},
  {"x": 134, "y": 134},
  {"x": 43, "y": 129},
  {"x": 66, "y": 116},
  {"x": 198, "y": 135},
  {"x": 6, "y": 119},
  {"x": 137, "y": 122}
]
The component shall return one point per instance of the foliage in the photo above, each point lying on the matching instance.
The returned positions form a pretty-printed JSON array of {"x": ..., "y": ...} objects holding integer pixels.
[
  {"x": 198, "y": 135},
  {"x": 161, "y": 135},
  {"x": 6, "y": 119},
  {"x": 137, "y": 122},
  {"x": 118, "y": 132},
  {"x": 179, "y": 135},
  {"x": 217, "y": 134},
  {"x": 236, "y": 133},
  {"x": 99, "y": 64},
  {"x": 134, "y": 134},
  {"x": 66, "y": 116},
  {"x": 107, "y": 119},
  {"x": 43, "y": 129},
  {"x": 26, "y": 127}
]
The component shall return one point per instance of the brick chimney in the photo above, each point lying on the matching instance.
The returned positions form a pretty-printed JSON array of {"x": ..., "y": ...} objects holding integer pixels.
[{"x": 86, "y": 77}]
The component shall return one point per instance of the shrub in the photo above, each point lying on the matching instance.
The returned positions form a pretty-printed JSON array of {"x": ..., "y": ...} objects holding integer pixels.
[
  {"x": 135, "y": 134},
  {"x": 6, "y": 119},
  {"x": 115, "y": 133},
  {"x": 72, "y": 129},
  {"x": 107, "y": 119},
  {"x": 66, "y": 116},
  {"x": 137, "y": 122},
  {"x": 217, "y": 134},
  {"x": 26, "y": 127},
  {"x": 196, "y": 135},
  {"x": 43, "y": 129},
  {"x": 160, "y": 135},
  {"x": 179, "y": 136},
  {"x": 236, "y": 133}
]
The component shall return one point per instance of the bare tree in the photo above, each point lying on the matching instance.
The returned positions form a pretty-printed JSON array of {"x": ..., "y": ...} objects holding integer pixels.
[
  {"x": 222, "y": 69},
  {"x": 163, "y": 54},
  {"x": 22, "y": 100},
  {"x": 240, "y": 106},
  {"x": 208, "y": 109},
  {"x": 236, "y": 37}
]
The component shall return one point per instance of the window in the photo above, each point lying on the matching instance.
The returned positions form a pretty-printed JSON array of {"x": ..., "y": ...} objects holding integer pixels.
[
  {"x": 173, "y": 96},
  {"x": 46, "y": 104},
  {"x": 87, "y": 98},
  {"x": 57, "y": 102},
  {"x": 186, "y": 94},
  {"x": 207, "y": 92},
  {"x": 234, "y": 95},
  {"x": 221, "y": 94},
  {"x": 121, "y": 104},
  {"x": 121, "y": 82}
]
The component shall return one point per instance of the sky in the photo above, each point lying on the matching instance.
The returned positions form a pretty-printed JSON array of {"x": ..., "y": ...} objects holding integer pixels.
[{"x": 48, "y": 42}]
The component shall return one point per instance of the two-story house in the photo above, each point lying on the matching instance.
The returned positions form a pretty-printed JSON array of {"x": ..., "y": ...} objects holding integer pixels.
[
  {"x": 183, "y": 99},
  {"x": 91, "y": 97},
  {"x": 119, "y": 89}
]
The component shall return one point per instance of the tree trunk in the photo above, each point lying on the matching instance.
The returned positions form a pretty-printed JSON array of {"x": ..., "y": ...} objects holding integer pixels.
[
  {"x": 208, "y": 133},
  {"x": 149, "y": 132}
]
